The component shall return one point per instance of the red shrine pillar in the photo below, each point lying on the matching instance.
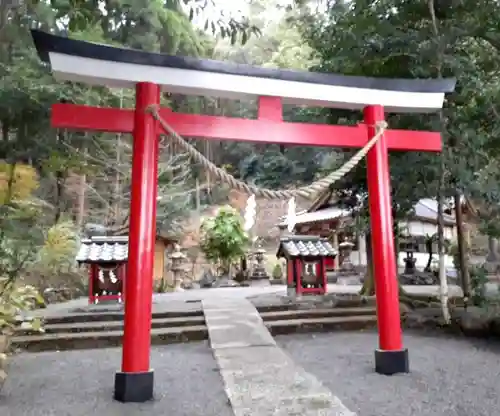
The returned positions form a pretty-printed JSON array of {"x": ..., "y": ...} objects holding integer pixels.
[
  {"x": 135, "y": 382},
  {"x": 390, "y": 358}
]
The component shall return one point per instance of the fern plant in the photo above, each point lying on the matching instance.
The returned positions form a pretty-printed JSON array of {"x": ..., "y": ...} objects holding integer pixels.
[{"x": 14, "y": 301}]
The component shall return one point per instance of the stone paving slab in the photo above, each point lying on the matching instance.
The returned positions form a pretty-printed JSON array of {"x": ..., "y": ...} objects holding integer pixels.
[
  {"x": 234, "y": 324},
  {"x": 260, "y": 379},
  {"x": 265, "y": 381}
]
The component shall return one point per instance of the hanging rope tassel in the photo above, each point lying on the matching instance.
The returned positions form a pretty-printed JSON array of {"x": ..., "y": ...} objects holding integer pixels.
[{"x": 309, "y": 192}]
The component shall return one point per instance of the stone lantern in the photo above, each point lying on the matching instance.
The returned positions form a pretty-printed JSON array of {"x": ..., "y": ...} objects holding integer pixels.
[
  {"x": 259, "y": 270},
  {"x": 283, "y": 230},
  {"x": 177, "y": 267},
  {"x": 345, "y": 249},
  {"x": 409, "y": 260}
]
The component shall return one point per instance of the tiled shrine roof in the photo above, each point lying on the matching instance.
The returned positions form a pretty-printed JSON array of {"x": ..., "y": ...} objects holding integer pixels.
[
  {"x": 305, "y": 246},
  {"x": 103, "y": 249}
]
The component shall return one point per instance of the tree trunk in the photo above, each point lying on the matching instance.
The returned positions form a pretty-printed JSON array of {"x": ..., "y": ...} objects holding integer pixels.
[
  {"x": 116, "y": 193},
  {"x": 225, "y": 268},
  {"x": 462, "y": 248},
  {"x": 80, "y": 217},
  {"x": 396, "y": 245},
  {"x": 60, "y": 179},
  {"x": 5, "y": 140},
  {"x": 368, "y": 288},
  {"x": 9, "y": 194},
  {"x": 428, "y": 247},
  {"x": 443, "y": 281}
]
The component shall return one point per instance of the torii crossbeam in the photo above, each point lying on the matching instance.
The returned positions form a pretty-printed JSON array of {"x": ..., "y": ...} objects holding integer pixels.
[{"x": 151, "y": 73}]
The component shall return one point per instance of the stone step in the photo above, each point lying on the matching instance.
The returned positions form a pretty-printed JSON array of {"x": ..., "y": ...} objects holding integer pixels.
[
  {"x": 294, "y": 326},
  {"x": 353, "y": 301},
  {"x": 316, "y": 313},
  {"x": 103, "y": 334},
  {"x": 97, "y": 326},
  {"x": 114, "y": 316},
  {"x": 103, "y": 339}
]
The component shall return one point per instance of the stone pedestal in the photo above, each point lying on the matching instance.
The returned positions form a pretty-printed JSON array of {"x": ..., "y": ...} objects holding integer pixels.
[
  {"x": 492, "y": 261},
  {"x": 361, "y": 249},
  {"x": 345, "y": 249},
  {"x": 335, "y": 244},
  {"x": 177, "y": 267},
  {"x": 492, "y": 256},
  {"x": 258, "y": 269}
]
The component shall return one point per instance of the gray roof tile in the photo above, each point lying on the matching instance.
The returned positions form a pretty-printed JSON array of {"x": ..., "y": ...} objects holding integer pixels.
[
  {"x": 305, "y": 246},
  {"x": 95, "y": 251}
]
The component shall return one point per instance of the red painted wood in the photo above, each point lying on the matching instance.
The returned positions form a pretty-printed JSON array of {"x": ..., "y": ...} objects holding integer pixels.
[
  {"x": 323, "y": 275},
  {"x": 329, "y": 263},
  {"x": 87, "y": 118},
  {"x": 142, "y": 231},
  {"x": 384, "y": 262},
  {"x": 270, "y": 108},
  {"x": 289, "y": 272},
  {"x": 92, "y": 275},
  {"x": 298, "y": 269},
  {"x": 318, "y": 268}
]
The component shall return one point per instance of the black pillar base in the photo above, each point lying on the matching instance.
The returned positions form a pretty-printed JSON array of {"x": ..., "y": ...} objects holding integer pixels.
[
  {"x": 392, "y": 362},
  {"x": 134, "y": 387}
]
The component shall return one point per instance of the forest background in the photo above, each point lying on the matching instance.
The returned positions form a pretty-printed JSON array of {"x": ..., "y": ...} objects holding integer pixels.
[{"x": 56, "y": 185}]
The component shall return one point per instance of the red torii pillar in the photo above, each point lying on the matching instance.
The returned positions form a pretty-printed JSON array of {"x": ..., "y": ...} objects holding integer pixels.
[
  {"x": 135, "y": 381},
  {"x": 391, "y": 357}
]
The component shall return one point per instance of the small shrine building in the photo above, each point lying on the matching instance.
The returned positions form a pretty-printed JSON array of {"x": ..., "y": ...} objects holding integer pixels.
[
  {"x": 326, "y": 219},
  {"x": 106, "y": 260},
  {"x": 306, "y": 258}
]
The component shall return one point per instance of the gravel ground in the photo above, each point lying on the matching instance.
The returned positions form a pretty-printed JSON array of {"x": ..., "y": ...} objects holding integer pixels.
[
  {"x": 80, "y": 383},
  {"x": 449, "y": 377}
]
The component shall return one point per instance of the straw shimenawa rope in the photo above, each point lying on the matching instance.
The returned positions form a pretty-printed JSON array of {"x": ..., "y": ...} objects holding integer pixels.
[{"x": 308, "y": 192}]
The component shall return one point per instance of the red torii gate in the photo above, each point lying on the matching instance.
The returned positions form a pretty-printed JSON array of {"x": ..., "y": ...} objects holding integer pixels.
[{"x": 148, "y": 72}]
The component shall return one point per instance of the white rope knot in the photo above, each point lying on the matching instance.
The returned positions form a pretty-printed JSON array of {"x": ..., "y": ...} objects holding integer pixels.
[{"x": 380, "y": 126}]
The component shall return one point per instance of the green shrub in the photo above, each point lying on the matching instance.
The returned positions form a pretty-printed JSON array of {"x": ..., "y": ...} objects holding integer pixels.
[{"x": 277, "y": 272}]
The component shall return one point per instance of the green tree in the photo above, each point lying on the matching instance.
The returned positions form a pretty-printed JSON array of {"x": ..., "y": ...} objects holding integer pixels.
[{"x": 223, "y": 239}]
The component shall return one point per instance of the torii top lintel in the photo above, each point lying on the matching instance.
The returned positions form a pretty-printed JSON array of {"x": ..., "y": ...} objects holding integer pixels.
[{"x": 96, "y": 64}]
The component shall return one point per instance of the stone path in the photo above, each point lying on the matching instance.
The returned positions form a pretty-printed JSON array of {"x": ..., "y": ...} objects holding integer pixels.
[
  {"x": 177, "y": 300},
  {"x": 259, "y": 377},
  {"x": 448, "y": 377}
]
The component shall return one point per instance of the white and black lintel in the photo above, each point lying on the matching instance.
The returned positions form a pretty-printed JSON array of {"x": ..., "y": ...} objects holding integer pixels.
[{"x": 97, "y": 64}]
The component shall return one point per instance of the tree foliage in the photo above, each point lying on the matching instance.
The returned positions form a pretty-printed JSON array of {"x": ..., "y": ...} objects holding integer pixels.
[
  {"x": 54, "y": 182},
  {"x": 84, "y": 177},
  {"x": 223, "y": 239},
  {"x": 421, "y": 39}
]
